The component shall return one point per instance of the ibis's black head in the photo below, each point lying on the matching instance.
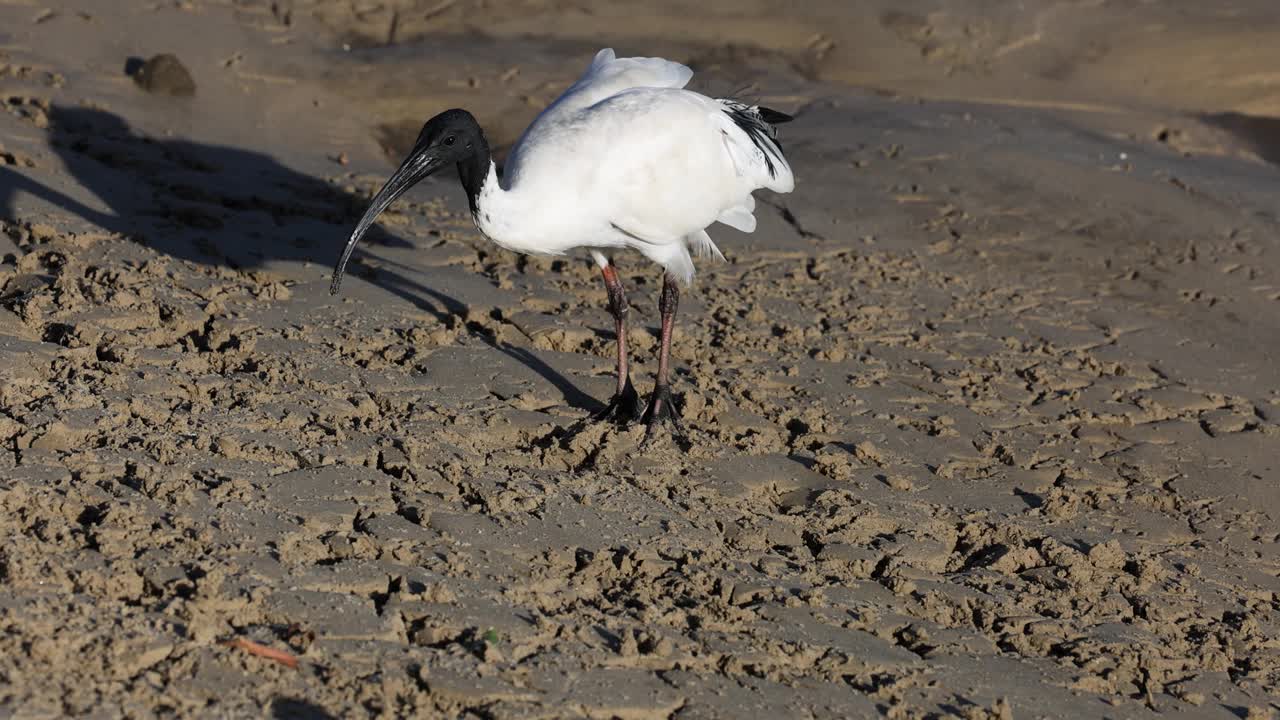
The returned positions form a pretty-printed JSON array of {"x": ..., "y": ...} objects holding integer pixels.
[{"x": 451, "y": 138}]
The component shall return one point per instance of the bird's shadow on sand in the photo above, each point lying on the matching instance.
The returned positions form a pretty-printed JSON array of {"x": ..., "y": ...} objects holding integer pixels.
[
  {"x": 417, "y": 293},
  {"x": 203, "y": 203},
  {"x": 222, "y": 206}
]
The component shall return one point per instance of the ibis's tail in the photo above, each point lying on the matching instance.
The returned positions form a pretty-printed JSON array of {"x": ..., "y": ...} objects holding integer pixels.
[
  {"x": 773, "y": 117},
  {"x": 759, "y": 148}
]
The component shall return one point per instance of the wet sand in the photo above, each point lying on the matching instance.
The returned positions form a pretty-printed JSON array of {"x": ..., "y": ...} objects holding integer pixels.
[{"x": 985, "y": 416}]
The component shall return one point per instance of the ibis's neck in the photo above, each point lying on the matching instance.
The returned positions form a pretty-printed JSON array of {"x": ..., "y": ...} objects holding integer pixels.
[
  {"x": 507, "y": 217},
  {"x": 494, "y": 210},
  {"x": 473, "y": 171}
]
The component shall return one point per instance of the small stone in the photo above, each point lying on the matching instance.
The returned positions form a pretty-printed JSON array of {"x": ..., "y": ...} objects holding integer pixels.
[
  {"x": 899, "y": 482},
  {"x": 165, "y": 74}
]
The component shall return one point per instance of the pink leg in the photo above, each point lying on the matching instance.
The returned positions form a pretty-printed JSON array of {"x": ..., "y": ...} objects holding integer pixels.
[
  {"x": 661, "y": 407},
  {"x": 625, "y": 405}
]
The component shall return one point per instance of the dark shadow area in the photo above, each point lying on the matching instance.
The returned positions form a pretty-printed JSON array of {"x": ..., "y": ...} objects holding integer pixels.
[
  {"x": 294, "y": 709},
  {"x": 223, "y": 206},
  {"x": 1261, "y": 133},
  {"x": 572, "y": 395},
  {"x": 204, "y": 203},
  {"x": 1031, "y": 499},
  {"x": 612, "y": 640},
  {"x": 132, "y": 65}
]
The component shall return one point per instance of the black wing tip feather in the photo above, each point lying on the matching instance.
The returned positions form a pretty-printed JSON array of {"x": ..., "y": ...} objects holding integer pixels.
[
  {"x": 773, "y": 117},
  {"x": 758, "y": 123}
]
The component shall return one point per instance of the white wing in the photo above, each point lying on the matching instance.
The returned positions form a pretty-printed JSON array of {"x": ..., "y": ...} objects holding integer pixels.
[
  {"x": 610, "y": 75},
  {"x": 627, "y": 158},
  {"x": 740, "y": 217},
  {"x": 671, "y": 163},
  {"x": 607, "y": 76}
]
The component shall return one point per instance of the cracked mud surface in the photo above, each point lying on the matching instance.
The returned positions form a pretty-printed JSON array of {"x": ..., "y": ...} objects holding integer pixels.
[{"x": 984, "y": 417}]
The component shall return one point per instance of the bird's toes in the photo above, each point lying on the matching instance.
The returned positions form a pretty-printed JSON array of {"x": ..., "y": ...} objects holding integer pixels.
[
  {"x": 676, "y": 430},
  {"x": 662, "y": 411},
  {"x": 624, "y": 408}
]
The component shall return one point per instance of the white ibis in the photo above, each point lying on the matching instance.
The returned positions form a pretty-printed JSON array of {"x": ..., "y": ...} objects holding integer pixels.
[{"x": 625, "y": 158}]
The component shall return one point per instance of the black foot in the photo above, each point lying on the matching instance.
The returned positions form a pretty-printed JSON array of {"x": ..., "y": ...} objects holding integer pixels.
[
  {"x": 662, "y": 410},
  {"x": 624, "y": 409}
]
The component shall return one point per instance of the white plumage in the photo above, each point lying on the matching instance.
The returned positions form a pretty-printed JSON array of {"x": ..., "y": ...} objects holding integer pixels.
[{"x": 627, "y": 158}]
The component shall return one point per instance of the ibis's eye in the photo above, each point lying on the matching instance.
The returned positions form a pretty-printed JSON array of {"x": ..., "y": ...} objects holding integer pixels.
[{"x": 448, "y": 140}]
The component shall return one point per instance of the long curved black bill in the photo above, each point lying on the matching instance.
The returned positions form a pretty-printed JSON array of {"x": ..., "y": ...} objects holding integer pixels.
[{"x": 418, "y": 165}]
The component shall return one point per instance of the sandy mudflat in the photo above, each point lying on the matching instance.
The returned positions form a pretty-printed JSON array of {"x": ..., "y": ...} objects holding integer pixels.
[{"x": 986, "y": 415}]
